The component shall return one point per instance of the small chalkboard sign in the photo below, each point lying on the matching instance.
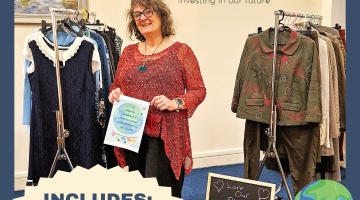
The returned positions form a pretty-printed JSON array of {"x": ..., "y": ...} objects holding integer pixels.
[{"x": 221, "y": 187}]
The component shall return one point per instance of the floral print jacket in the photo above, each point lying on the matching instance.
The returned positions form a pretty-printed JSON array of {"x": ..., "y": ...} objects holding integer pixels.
[{"x": 297, "y": 82}]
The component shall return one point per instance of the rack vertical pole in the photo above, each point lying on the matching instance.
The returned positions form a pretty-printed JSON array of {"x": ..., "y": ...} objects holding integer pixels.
[
  {"x": 61, "y": 132},
  {"x": 271, "y": 131}
]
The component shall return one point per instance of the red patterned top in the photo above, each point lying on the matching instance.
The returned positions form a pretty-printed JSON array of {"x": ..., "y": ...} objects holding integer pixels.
[{"x": 173, "y": 72}]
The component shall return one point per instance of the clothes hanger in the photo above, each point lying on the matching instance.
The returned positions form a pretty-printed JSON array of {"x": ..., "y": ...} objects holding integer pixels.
[
  {"x": 299, "y": 25},
  {"x": 315, "y": 21},
  {"x": 83, "y": 22},
  {"x": 281, "y": 12},
  {"x": 43, "y": 27},
  {"x": 310, "y": 25},
  {"x": 259, "y": 30},
  {"x": 65, "y": 27},
  {"x": 284, "y": 20},
  {"x": 292, "y": 23},
  {"x": 81, "y": 25},
  {"x": 306, "y": 32},
  {"x": 68, "y": 28},
  {"x": 289, "y": 20},
  {"x": 96, "y": 26},
  {"x": 282, "y": 27}
]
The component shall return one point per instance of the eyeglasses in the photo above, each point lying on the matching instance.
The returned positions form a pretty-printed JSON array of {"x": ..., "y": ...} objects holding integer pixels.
[{"x": 148, "y": 12}]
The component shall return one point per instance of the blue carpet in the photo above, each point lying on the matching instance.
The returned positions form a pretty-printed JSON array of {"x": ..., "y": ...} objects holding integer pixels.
[
  {"x": 18, "y": 194},
  {"x": 195, "y": 184}
]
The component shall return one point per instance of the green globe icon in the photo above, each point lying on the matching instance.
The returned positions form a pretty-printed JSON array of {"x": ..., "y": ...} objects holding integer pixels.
[{"x": 324, "y": 190}]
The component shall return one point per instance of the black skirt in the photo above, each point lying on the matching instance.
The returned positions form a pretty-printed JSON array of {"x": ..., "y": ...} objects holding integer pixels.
[{"x": 151, "y": 161}]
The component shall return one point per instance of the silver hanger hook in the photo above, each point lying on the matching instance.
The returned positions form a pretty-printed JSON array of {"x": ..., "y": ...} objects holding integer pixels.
[
  {"x": 289, "y": 19},
  {"x": 76, "y": 18},
  {"x": 300, "y": 18},
  {"x": 62, "y": 14},
  {"x": 71, "y": 17},
  {"x": 296, "y": 16},
  {"x": 290, "y": 16},
  {"x": 285, "y": 18},
  {"x": 302, "y": 15}
]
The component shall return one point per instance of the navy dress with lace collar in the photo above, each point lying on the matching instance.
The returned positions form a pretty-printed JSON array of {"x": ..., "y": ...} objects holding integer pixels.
[{"x": 78, "y": 93}]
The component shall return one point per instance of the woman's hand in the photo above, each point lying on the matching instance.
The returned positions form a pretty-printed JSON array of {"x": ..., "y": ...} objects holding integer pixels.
[
  {"x": 163, "y": 103},
  {"x": 115, "y": 94}
]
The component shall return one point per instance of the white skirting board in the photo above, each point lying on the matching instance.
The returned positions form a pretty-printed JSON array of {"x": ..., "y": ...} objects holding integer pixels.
[
  {"x": 218, "y": 158},
  {"x": 20, "y": 181}
]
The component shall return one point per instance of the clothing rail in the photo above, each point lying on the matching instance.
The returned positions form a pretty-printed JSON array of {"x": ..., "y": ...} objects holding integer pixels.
[
  {"x": 78, "y": 14},
  {"x": 294, "y": 14},
  {"x": 271, "y": 131},
  {"x": 62, "y": 133}
]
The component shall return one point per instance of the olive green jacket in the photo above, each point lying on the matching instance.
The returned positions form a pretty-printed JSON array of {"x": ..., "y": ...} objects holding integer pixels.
[{"x": 297, "y": 84}]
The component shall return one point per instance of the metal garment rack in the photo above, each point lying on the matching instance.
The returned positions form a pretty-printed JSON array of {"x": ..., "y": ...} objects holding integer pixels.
[
  {"x": 271, "y": 131},
  {"x": 62, "y": 133}
]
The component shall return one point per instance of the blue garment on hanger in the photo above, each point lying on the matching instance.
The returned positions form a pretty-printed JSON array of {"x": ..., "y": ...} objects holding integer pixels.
[
  {"x": 105, "y": 106},
  {"x": 105, "y": 69},
  {"x": 26, "y": 96},
  {"x": 103, "y": 56}
]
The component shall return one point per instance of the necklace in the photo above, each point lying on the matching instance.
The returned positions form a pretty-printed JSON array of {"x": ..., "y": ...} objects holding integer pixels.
[{"x": 143, "y": 67}]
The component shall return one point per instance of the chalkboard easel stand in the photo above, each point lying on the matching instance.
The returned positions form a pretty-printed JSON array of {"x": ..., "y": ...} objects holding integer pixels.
[{"x": 271, "y": 131}]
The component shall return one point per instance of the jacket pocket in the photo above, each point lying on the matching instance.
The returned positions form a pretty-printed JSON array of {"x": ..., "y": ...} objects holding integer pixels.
[
  {"x": 290, "y": 106},
  {"x": 254, "y": 102}
]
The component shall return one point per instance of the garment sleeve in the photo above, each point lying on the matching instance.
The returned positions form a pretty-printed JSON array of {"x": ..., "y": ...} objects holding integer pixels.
[
  {"x": 312, "y": 65},
  {"x": 96, "y": 62},
  {"x": 26, "y": 96},
  {"x": 240, "y": 76},
  {"x": 194, "y": 84},
  {"x": 96, "y": 65},
  {"x": 342, "y": 87},
  {"x": 333, "y": 66},
  {"x": 27, "y": 63},
  {"x": 117, "y": 82}
]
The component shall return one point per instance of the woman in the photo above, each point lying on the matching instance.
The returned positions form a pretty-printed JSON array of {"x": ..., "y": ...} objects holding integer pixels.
[{"x": 159, "y": 70}]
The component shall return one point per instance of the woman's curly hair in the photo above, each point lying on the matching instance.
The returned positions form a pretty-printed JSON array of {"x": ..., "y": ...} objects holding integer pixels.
[{"x": 160, "y": 8}]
